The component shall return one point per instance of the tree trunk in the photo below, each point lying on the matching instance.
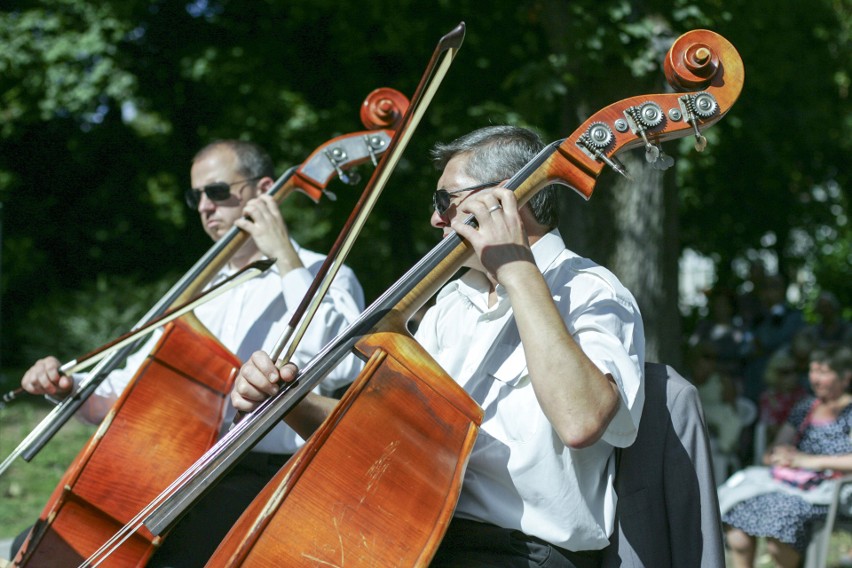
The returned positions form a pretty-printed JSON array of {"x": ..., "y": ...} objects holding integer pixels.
[
  {"x": 630, "y": 226},
  {"x": 645, "y": 254}
]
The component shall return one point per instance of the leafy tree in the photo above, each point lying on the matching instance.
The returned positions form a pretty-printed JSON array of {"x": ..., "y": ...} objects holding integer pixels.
[{"x": 104, "y": 104}]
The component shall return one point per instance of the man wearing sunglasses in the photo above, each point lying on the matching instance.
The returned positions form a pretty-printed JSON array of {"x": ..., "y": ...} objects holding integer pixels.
[
  {"x": 551, "y": 346},
  {"x": 230, "y": 180}
]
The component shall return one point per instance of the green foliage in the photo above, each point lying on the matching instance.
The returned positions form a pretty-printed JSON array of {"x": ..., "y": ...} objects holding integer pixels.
[
  {"x": 68, "y": 324},
  {"x": 785, "y": 139},
  {"x": 26, "y": 486},
  {"x": 104, "y": 103},
  {"x": 59, "y": 60}
]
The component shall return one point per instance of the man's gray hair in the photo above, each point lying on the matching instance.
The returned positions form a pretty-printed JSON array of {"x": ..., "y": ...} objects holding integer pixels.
[{"x": 497, "y": 153}]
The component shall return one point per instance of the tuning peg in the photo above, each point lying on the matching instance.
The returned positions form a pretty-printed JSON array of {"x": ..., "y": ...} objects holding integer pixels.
[
  {"x": 652, "y": 153},
  {"x": 700, "y": 141},
  {"x": 336, "y": 156},
  {"x": 663, "y": 163},
  {"x": 374, "y": 143},
  {"x": 595, "y": 140},
  {"x": 350, "y": 177},
  {"x": 658, "y": 159},
  {"x": 616, "y": 165},
  {"x": 698, "y": 105}
]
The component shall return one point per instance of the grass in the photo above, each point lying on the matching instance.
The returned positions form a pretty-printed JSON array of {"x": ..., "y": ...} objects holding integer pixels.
[{"x": 26, "y": 486}]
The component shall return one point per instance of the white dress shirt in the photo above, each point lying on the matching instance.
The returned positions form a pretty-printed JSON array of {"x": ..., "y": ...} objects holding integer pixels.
[
  {"x": 251, "y": 317},
  {"x": 520, "y": 475}
]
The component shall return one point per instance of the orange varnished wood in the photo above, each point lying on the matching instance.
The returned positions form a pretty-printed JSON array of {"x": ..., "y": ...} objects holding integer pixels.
[
  {"x": 383, "y": 108},
  {"x": 145, "y": 443},
  {"x": 721, "y": 74},
  {"x": 359, "y": 494}
]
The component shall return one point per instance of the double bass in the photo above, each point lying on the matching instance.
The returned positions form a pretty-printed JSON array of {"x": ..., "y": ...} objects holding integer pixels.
[
  {"x": 376, "y": 484},
  {"x": 379, "y": 112},
  {"x": 183, "y": 383}
]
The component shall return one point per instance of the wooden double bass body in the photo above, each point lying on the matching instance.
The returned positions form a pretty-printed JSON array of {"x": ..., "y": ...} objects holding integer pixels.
[
  {"x": 172, "y": 410},
  {"x": 138, "y": 448},
  {"x": 377, "y": 483}
]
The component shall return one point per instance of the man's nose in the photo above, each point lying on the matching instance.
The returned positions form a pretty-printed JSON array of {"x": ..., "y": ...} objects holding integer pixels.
[
  {"x": 205, "y": 203},
  {"x": 438, "y": 221}
]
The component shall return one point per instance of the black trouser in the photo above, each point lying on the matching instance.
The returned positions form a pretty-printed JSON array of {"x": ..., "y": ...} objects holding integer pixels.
[
  {"x": 195, "y": 537},
  {"x": 469, "y": 544}
]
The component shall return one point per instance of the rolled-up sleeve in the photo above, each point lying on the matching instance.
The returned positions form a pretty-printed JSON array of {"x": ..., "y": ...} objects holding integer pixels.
[{"x": 608, "y": 328}]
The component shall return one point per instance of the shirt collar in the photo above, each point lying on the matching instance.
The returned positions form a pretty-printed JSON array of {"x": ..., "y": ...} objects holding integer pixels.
[
  {"x": 473, "y": 284},
  {"x": 228, "y": 271},
  {"x": 548, "y": 249}
]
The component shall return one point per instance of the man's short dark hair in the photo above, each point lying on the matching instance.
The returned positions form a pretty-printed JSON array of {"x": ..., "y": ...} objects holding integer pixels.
[{"x": 253, "y": 160}]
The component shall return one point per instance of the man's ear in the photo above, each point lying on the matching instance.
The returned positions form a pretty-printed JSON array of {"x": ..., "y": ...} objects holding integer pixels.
[{"x": 265, "y": 184}]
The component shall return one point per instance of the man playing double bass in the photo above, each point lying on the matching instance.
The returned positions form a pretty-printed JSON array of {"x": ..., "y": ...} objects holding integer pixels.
[
  {"x": 549, "y": 344},
  {"x": 230, "y": 180}
]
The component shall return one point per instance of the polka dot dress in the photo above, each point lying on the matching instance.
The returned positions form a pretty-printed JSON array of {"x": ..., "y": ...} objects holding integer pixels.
[{"x": 786, "y": 517}]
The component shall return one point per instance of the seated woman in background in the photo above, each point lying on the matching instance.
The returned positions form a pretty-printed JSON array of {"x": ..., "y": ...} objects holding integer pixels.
[{"x": 781, "y": 501}]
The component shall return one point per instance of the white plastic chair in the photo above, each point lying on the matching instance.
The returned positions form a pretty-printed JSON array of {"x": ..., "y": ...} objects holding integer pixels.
[{"x": 839, "y": 517}]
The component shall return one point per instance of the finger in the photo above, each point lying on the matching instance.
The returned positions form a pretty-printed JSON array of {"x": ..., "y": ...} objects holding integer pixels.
[
  {"x": 265, "y": 365},
  {"x": 465, "y": 231},
  {"x": 41, "y": 384},
  {"x": 65, "y": 383},
  {"x": 245, "y": 224},
  {"x": 254, "y": 387},
  {"x": 264, "y": 206},
  {"x": 30, "y": 383},
  {"x": 242, "y": 404},
  {"x": 478, "y": 204},
  {"x": 269, "y": 203},
  {"x": 289, "y": 372}
]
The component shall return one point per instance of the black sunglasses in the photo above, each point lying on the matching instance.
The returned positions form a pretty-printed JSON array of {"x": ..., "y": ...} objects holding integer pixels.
[
  {"x": 441, "y": 198},
  {"x": 218, "y": 191}
]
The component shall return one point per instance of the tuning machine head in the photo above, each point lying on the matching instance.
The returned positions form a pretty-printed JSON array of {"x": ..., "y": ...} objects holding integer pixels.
[
  {"x": 645, "y": 116},
  {"x": 597, "y": 137},
  {"x": 701, "y": 105}
]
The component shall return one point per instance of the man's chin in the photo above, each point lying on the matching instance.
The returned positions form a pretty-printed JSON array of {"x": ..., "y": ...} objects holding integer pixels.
[{"x": 213, "y": 233}]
